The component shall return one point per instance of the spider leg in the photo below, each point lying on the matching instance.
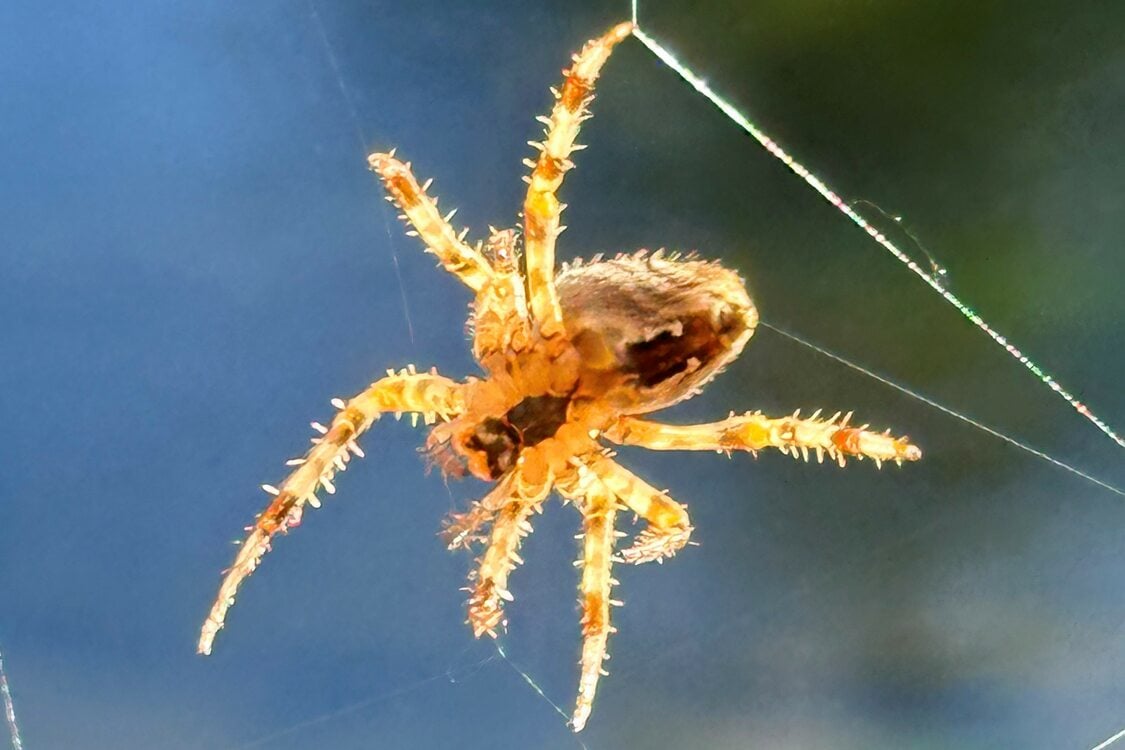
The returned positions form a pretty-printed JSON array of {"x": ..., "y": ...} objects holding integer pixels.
[
  {"x": 461, "y": 530},
  {"x": 430, "y": 394},
  {"x": 541, "y": 209},
  {"x": 752, "y": 431},
  {"x": 598, "y": 505},
  {"x": 500, "y": 317},
  {"x": 466, "y": 263},
  {"x": 510, "y": 524},
  {"x": 669, "y": 527}
]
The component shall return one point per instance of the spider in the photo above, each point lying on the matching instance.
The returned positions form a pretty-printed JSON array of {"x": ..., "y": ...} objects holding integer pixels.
[{"x": 571, "y": 360}]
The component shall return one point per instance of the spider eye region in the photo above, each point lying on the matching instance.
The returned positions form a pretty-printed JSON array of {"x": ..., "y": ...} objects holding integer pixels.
[{"x": 493, "y": 446}]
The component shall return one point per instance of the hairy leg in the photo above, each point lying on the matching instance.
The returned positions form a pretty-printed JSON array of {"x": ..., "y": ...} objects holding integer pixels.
[
  {"x": 465, "y": 262},
  {"x": 598, "y": 505},
  {"x": 511, "y": 505},
  {"x": 500, "y": 317},
  {"x": 463, "y": 530},
  {"x": 428, "y": 394},
  {"x": 669, "y": 527},
  {"x": 752, "y": 432},
  {"x": 541, "y": 209}
]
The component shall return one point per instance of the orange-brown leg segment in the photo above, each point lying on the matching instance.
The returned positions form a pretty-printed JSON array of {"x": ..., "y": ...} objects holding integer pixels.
[
  {"x": 500, "y": 316},
  {"x": 541, "y": 209},
  {"x": 431, "y": 395},
  {"x": 599, "y": 508},
  {"x": 489, "y": 589},
  {"x": 752, "y": 432},
  {"x": 511, "y": 508},
  {"x": 462, "y": 530},
  {"x": 669, "y": 527},
  {"x": 467, "y": 263}
]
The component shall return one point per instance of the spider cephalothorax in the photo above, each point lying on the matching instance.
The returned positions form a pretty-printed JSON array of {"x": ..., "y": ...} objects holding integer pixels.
[{"x": 570, "y": 360}]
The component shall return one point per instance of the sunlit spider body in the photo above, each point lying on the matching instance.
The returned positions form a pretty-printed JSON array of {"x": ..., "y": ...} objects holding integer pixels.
[
  {"x": 641, "y": 332},
  {"x": 570, "y": 361}
]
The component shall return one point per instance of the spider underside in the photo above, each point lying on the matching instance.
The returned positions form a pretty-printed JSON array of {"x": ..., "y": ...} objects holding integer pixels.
[{"x": 571, "y": 360}]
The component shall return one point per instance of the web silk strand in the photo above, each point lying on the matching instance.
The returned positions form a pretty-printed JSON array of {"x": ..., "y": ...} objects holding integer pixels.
[
  {"x": 354, "y": 112},
  {"x": 535, "y": 686},
  {"x": 9, "y": 708},
  {"x": 1110, "y": 741},
  {"x": 943, "y": 409},
  {"x": 842, "y": 206}
]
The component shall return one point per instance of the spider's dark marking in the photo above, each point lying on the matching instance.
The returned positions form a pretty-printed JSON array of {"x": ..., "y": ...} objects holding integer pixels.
[
  {"x": 538, "y": 417},
  {"x": 528, "y": 423},
  {"x": 499, "y": 442},
  {"x": 667, "y": 325},
  {"x": 701, "y": 340}
]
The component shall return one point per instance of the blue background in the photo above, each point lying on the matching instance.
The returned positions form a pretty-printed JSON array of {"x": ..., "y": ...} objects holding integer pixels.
[{"x": 195, "y": 259}]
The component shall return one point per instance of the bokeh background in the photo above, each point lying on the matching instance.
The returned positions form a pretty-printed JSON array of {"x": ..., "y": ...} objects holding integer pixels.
[{"x": 195, "y": 259}]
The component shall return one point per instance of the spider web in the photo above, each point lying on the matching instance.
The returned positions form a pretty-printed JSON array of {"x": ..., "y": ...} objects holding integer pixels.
[
  {"x": 9, "y": 708},
  {"x": 195, "y": 268},
  {"x": 809, "y": 588}
]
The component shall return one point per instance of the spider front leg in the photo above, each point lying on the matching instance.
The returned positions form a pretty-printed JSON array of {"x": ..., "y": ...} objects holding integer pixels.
[
  {"x": 752, "y": 431},
  {"x": 428, "y": 394},
  {"x": 500, "y": 316},
  {"x": 465, "y": 262},
  {"x": 510, "y": 507},
  {"x": 541, "y": 209}
]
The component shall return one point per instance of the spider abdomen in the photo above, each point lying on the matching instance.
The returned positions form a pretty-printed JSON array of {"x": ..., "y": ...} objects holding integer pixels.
[{"x": 652, "y": 327}]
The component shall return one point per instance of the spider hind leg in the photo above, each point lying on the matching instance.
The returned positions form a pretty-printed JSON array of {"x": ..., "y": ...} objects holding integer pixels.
[
  {"x": 752, "y": 432},
  {"x": 598, "y": 506},
  {"x": 669, "y": 527}
]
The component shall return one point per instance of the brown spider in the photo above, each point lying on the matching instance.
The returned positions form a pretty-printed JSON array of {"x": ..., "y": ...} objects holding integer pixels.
[{"x": 570, "y": 360}]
